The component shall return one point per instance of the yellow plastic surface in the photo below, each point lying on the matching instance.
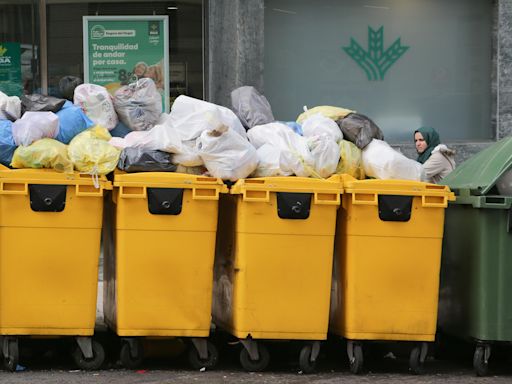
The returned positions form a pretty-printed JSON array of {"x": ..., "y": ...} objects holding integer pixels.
[
  {"x": 386, "y": 275},
  {"x": 49, "y": 260},
  {"x": 272, "y": 280},
  {"x": 164, "y": 263}
]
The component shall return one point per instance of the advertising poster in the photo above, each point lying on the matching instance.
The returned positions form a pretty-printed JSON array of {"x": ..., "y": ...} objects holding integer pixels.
[
  {"x": 119, "y": 50},
  {"x": 10, "y": 69}
]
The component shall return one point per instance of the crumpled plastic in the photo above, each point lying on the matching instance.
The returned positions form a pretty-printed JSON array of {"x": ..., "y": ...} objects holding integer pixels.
[
  {"x": 333, "y": 113},
  {"x": 97, "y": 104},
  {"x": 41, "y": 103},
  {"x": 318, "y": 124},
  {"x": 138, "y": 104},
  {"x": 141, "y": 160},
  {"x": 359, "y": 129},
  {"x": 91, "y": 153},
  {"x": 226, "y": 154},
  {"x": 326, "y": 153},
  {"x": 34, "y": 126},
  {"x": 10, "y": 107},
  {"x": 251, "y": 107},
  {"x": 351, "y": 160},
  {"x": 44, "y": 153}
]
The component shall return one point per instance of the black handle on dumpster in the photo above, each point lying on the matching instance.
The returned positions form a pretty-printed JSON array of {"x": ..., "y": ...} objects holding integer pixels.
[
  {"x": 47, "y": 198},
  {"x": 165, "y": 201},
  {"x": 509, "y": 220},
  {"x": 294, "y": 206},
  {"x": 395, "y": 208}
]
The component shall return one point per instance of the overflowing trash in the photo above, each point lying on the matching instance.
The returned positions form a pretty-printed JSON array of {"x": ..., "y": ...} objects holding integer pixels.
[{"x": 99, "y": 132}]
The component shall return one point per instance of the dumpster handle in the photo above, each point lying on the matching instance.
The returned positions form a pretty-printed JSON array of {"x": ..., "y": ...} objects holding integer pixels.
[
  {"x": 365, "y": 199},
  {"x": 434, "y": 201},
  {"x": 127, "y": 192},
  {"x": 326, "y": 198},
  {"x": 256, "y": 196},
  {"x": 88, "y": 191},
  {"x": 13, "y": 188},
  {"x": 205, "y": 194}
]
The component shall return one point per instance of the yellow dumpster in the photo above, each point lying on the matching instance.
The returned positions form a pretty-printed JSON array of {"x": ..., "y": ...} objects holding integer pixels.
[
  {"x": 159, "y": 261},
  {"x": 50, "y": 230},
  {"x": 387, "y": 264},
  {"x": 273, "y": 264}
]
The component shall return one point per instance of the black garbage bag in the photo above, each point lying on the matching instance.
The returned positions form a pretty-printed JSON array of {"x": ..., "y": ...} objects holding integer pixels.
[
  {"x": 41, "y": 103},
  {"x": 359, "y": 129},
  {"x": 141, "y": 160},
  {"x": 251, "y": 107},
  {"x": 67, "y": 85}
]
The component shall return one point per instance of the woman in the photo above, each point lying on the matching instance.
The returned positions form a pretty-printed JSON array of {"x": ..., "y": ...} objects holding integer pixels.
[{"x": 437, "y": 159}]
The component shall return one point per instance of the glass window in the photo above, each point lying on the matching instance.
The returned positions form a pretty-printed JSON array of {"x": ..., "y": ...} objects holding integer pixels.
[
  {"x": 65, "y": 47},
  {"x": 19, "y": 36},
  {"x": 402, "y": 63}
]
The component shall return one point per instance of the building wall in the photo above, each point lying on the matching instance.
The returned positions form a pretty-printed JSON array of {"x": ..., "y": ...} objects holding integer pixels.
[{"x": 236, "y": 46}]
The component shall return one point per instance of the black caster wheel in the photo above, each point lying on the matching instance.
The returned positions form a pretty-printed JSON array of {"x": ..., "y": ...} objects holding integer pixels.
[
  {"x": 129, "y": 359},
  {"x": 305, "y": 363},
  {"x": 357, "y": 361},
  {"x": 13, "y": 356},
  {"x": 93, "y": 363},
  {"x": 415, "y": 364},
  {"x": 480, "y": 363},
  {"x": 255, "y": 365},
  {"x": 209, "y": 363}
]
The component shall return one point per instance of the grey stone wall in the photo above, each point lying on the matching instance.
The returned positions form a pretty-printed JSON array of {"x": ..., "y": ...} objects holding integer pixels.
[
  {"x": 504, "y": 76},
  {"x": 235, "y": 47}
]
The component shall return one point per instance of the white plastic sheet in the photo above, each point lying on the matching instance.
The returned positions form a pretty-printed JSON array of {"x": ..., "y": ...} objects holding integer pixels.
[
  {"x": 34, "y": 126},
  {"x": 318, "y": 124}
]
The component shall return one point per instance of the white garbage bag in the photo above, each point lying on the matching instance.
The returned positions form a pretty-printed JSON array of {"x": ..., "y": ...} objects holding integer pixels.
[
  {"x": 10, "y": 107},
  {"x": 295, "y": 156},
  {"x": 383, "y": 162},
  {"x": 193, "y": 116},
  {"x": 318, "y": 124},
  {"x": 326, "y": 153},
  {"x": 226, "y": 154},
  {"x": 97, "y": 104},
  {"x": 269, "y": 162},
  {"x": 138, "y": 104},
  {"x": 34, "y": 126}
]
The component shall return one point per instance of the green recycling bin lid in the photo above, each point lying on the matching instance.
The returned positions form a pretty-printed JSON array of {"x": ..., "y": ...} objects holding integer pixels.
[{"x": 479, "y": 173}]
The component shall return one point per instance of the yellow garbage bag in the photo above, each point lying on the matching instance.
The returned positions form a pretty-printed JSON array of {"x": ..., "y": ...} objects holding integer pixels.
[
  {"x": 91, "y": 153},
  {"x": 351, "y": 160},
  {"x": 334, "y": 113},
  {"x": 43, "y": 153}
]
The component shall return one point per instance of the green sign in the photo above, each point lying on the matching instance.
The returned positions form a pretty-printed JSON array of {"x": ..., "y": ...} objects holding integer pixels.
[
  {"x": 376, "y": 61},
  {"x": 119, "y": 50},
  {"x": 10, "y": 69}
]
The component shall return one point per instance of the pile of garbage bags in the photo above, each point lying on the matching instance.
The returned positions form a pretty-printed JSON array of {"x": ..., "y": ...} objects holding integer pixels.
[{"x": 98, "y": 132}]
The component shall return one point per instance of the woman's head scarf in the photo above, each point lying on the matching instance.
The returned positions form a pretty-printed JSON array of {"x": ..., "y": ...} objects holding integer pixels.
[{"x": 431, "y": 137}]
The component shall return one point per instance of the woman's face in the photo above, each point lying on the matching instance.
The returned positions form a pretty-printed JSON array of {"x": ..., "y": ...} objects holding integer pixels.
[{"x": 420, "y": 142}]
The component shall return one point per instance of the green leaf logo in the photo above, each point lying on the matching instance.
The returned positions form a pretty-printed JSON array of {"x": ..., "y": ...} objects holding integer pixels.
[
  {"x": 2, "y": 50},
  {"x": 376, "y": 61}
]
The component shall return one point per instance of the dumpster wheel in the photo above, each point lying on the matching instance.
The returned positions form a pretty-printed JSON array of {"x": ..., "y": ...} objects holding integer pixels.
[
  {"x": 131, "y": 354},
  {"x": 11, "y": 354},
  {"x": 355, "y": 356},
  {"x": 195, "y": 360},
  {"x": 93, "y": 363},
  {"x": 481, "y": 360},
  {"x": 307, "y": 361},
  {"x": 417, "y": 358},
  {"x": 255, "y": 365}
]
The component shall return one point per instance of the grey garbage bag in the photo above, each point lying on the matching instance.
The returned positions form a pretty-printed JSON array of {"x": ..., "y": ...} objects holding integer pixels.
[
  {"x": 251, "y": 107},
  {"x": 67, "y": 85},
  {"x": 359, "y": 129},
  {"x": 142, "y": 160},
  {"x": 41, "y": 103}
]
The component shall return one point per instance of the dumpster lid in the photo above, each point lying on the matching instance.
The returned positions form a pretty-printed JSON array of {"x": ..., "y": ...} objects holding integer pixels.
[
  {"x": 396, "y": 187},
  {"x": 480, "y": 172},
  {"x": 50, "y": 176},
  {"x": 292, "y": 184},
  {"x": 167, "y": 180}
]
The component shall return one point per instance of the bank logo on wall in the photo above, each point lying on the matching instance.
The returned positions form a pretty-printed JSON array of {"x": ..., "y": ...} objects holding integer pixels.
[
  {"x": 375, "y": 61},
  {"x": 4, "y": 59}
]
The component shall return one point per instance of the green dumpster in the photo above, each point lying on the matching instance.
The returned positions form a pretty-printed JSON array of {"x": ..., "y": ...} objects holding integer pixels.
[{"x": 475, "y": 300}]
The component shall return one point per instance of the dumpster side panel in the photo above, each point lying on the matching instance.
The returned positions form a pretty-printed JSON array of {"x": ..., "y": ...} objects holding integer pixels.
[
  {"x": 164, "y": 268},
  {"x": 475, "y": 299},
  {"x": 387, "y": 274}
]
